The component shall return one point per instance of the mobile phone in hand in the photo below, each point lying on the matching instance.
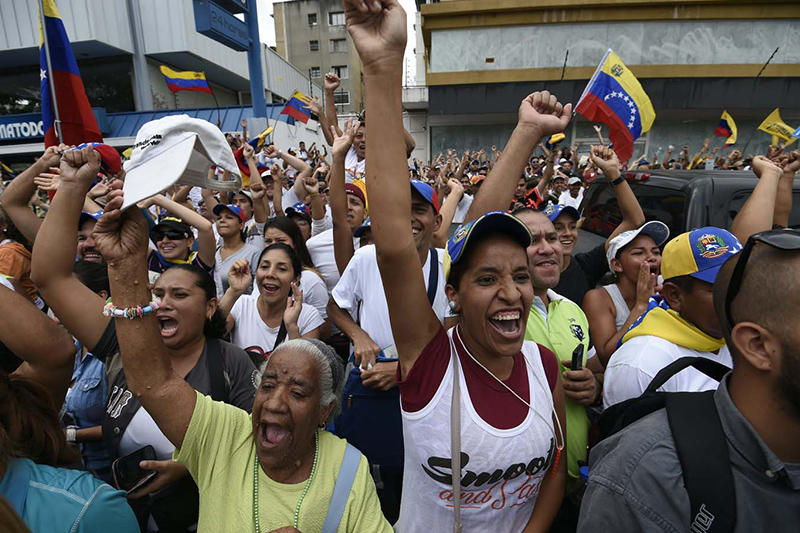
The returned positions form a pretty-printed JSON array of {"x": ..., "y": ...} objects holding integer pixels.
[
  {"x": 577, "y": 357},
  {"x": 128, "y": 475}
]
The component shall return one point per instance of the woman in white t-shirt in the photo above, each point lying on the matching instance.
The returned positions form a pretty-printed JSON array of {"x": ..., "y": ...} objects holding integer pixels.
[
  {"x": 511, "y": 400},
  {"x": 274, "y": 313},
  {"x": 284, "y": 230}
]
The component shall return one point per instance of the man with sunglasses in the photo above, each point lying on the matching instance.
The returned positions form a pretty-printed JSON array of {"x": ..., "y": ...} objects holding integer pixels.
[
  {"x": 679, "y": 323},
  {"x": 637, "y": 480}
]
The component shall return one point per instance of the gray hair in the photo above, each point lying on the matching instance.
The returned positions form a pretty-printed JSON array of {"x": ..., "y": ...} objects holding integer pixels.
[{"x": 331, "y": 370}]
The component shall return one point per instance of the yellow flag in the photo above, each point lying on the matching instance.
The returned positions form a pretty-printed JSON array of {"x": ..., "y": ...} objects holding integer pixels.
[{"x": 775, "y": 126}]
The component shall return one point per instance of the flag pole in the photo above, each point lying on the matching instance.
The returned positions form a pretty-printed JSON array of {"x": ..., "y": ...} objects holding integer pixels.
[
  {"x": 49, "y": 73},
  {"x": 755, "y": 82}
]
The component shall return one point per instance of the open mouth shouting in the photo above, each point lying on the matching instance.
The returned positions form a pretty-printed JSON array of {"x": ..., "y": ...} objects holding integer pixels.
[
  {"x": 271, "y": 435},
  {"x": 270, "y": 288},
  {"x": 168, "y": 326},
  {"x": 507, "y": 323}
]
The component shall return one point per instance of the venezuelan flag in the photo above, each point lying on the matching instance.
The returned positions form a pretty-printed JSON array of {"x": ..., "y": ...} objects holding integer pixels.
[
  {"x": 78, "y": 124},
  {"x": 294, "y": 107},
  {"x": 726, "y": 127},
  {"x": 187, "y": 80},
  {"x": 615, "y": 97},
  {"x": 258, "y": 141}
]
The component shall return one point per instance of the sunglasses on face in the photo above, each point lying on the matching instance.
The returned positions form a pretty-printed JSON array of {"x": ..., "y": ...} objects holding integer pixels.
[
  {"x": 171, "y": 235},
  {"x": 787, "y": 240}
]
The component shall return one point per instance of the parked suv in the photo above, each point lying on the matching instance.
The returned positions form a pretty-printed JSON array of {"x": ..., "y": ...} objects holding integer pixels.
[{"x": 682, "y": 199}]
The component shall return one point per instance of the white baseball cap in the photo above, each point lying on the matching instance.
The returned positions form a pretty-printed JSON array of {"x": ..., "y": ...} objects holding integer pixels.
[
  {"x": 177, "y": 149},
  {"x": 657, "y": 230},
  {"x": 573, "y": 180}
]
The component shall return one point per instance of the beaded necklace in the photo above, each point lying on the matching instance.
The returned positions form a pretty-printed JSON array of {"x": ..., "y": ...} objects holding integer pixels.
[{"x": 302, "y": 495}]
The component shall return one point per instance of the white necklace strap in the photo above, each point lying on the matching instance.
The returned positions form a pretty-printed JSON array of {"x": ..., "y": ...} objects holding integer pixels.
[{"x": 455, "y": 441}]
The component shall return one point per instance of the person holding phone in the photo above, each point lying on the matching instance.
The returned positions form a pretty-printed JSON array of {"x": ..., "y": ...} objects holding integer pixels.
[
  {"x": 190, "y": 328},
  {"x": 274, "y": 313}
]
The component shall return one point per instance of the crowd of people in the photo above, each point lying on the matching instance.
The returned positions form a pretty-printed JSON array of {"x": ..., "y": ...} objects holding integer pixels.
[{"x": 346, "y": 346}]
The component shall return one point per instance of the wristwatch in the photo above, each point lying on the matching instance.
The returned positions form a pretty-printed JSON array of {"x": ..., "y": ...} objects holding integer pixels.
[{"x": 72, "y": 434}]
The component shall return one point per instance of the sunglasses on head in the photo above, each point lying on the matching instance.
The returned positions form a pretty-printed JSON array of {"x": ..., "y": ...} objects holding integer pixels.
[
  {"x": 787, "y": 240},
  {"x": 172, "y": 235}
]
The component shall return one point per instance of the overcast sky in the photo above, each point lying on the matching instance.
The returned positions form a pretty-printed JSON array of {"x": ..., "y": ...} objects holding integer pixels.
[{"x": 266, "y": 29}]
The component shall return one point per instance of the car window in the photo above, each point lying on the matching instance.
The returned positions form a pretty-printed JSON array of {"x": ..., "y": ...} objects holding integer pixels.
[
  {"x": 603, "y": 215},
  {"x": 740, "y": 197}
]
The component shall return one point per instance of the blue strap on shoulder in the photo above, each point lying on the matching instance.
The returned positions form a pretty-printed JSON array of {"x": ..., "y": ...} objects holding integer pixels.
[{"x": 341, "y": 491}]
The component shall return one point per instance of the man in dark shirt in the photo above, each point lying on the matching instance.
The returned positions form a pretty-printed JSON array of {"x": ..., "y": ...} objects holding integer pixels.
[{"x": 636, "y": 482}]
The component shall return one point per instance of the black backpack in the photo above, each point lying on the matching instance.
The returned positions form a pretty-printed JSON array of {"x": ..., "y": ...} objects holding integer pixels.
[{"x": 699, "y": 441}]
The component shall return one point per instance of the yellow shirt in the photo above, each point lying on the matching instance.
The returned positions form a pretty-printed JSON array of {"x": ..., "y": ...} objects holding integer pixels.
[{"x": 219, "y": 451}]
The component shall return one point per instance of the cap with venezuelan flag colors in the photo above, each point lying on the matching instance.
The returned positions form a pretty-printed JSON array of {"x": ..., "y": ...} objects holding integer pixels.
[
  {"x": 494, "y": 222},
  {"x": 699, "y": 253}
]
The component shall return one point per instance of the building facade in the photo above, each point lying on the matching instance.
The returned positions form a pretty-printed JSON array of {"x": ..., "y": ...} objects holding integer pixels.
[
  {"x": 693, "y": 58},
  {"x": 119, "y": 43},
  {"x": 311, "y": 35}
]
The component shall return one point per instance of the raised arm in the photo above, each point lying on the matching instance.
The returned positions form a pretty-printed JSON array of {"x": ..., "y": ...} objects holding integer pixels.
[
  {"x": 379, "y": 34},
  {"x": 46, "y": 348},
  {"x": 343, "y": 248},
  {"x": 448, "y": 211},
  {"x": 122, "y": 239},
  {"x": 78, "y": 308},
  {"x": 17, "y": 195},
  {"x": 540, "y": 114},
  {"x": 303, "y": 169},
  {"x": 783, "y": 203},
  {"x": 547, "y": 174},
  {"x": 330, "y": 84},
  {"x": 277, "y": 190},
  {"x": 632, "y": 215},
  {"x": 257, "y": 189},
  {"x": 315, "y": 106},
  {"x": 758, "y": 211},
  {"x": 206, "y": 243}
]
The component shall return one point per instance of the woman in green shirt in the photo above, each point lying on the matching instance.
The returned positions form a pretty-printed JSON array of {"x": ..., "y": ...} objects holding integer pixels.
[{"x": 276, "y": 469}]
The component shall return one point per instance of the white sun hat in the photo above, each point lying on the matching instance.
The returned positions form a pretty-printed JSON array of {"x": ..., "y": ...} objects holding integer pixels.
[{"x": 177, "y": 149}]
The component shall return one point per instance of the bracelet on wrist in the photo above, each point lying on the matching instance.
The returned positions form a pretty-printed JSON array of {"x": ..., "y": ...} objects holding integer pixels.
[
  {"x": 72, "y": 434},
  {"x": 617, "y": 181},
  {"x": 131, "y": 312}
]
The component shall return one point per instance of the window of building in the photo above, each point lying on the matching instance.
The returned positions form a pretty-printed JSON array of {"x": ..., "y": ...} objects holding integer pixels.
[
  {"x": 336, "y": 18},
  {"x": 314, "y": 72},
  {"x": 313, "y": 46},
  {"x": 312, "y": 19},
  {"x": 341, "y": 98},
  {"x": 342, "y": 71},
  {"x": 338, "y": 45}
]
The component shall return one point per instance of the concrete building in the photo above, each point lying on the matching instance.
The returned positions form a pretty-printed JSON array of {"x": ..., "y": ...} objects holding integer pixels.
[
  {"x": 311, "y": 35},
  {"x": 108, "y": 38},
  {"x": 693, "y": 58}
]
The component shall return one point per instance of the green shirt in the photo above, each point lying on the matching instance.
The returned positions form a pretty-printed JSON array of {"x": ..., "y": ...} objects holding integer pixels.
[
  {"x": 564, "y": 328},
  {"x": 219, "y": 452}
]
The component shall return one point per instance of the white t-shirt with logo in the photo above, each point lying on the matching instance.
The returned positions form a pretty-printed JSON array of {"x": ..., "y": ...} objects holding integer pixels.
[
  {"x": 634, "y": 365},
  {"x": 353, "y": 168},
  {"x": 361, "y": 284},
  {"x": 253, "y": 335}
]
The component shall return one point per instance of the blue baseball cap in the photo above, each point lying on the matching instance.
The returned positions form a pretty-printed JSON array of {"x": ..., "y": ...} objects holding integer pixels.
[
  {"x": 89, "y": 216},
  {"x": 236, "y": 210},
  {"x": 554, "y": 211},
  {"x": 427, "y": 192},
  {"x": 495, "y": 222},
  {"x": 300, "y": 209},
  {"x": 699, "y": 253},
  {"x": 362, "y": 228}
]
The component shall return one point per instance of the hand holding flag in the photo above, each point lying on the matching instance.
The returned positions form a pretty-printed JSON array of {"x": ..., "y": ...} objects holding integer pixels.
[{"x": 726, "y": 127}]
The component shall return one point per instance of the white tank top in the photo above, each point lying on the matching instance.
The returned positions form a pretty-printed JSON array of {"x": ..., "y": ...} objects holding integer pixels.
[
  {"x": 619, "y": 304},
  {"x": 504, "y": 468}
]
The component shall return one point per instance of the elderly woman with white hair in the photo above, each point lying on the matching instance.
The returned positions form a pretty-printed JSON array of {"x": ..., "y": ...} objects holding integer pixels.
[{"x": 276, "y": 470}]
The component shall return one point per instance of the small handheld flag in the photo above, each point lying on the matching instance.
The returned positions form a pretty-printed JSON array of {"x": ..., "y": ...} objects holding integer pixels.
[
  {"x": 187, "y": 80},
  {"x": 553, "y": 140},
  {"x": 294, "y": 107},
  {"x": 63, "y": 95},
  {"x": 258, "y": 141},
  {"x": 775, "y": 126},
  {"x": 615, "y": 97},
  {"x": 726, "y": 127}
]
